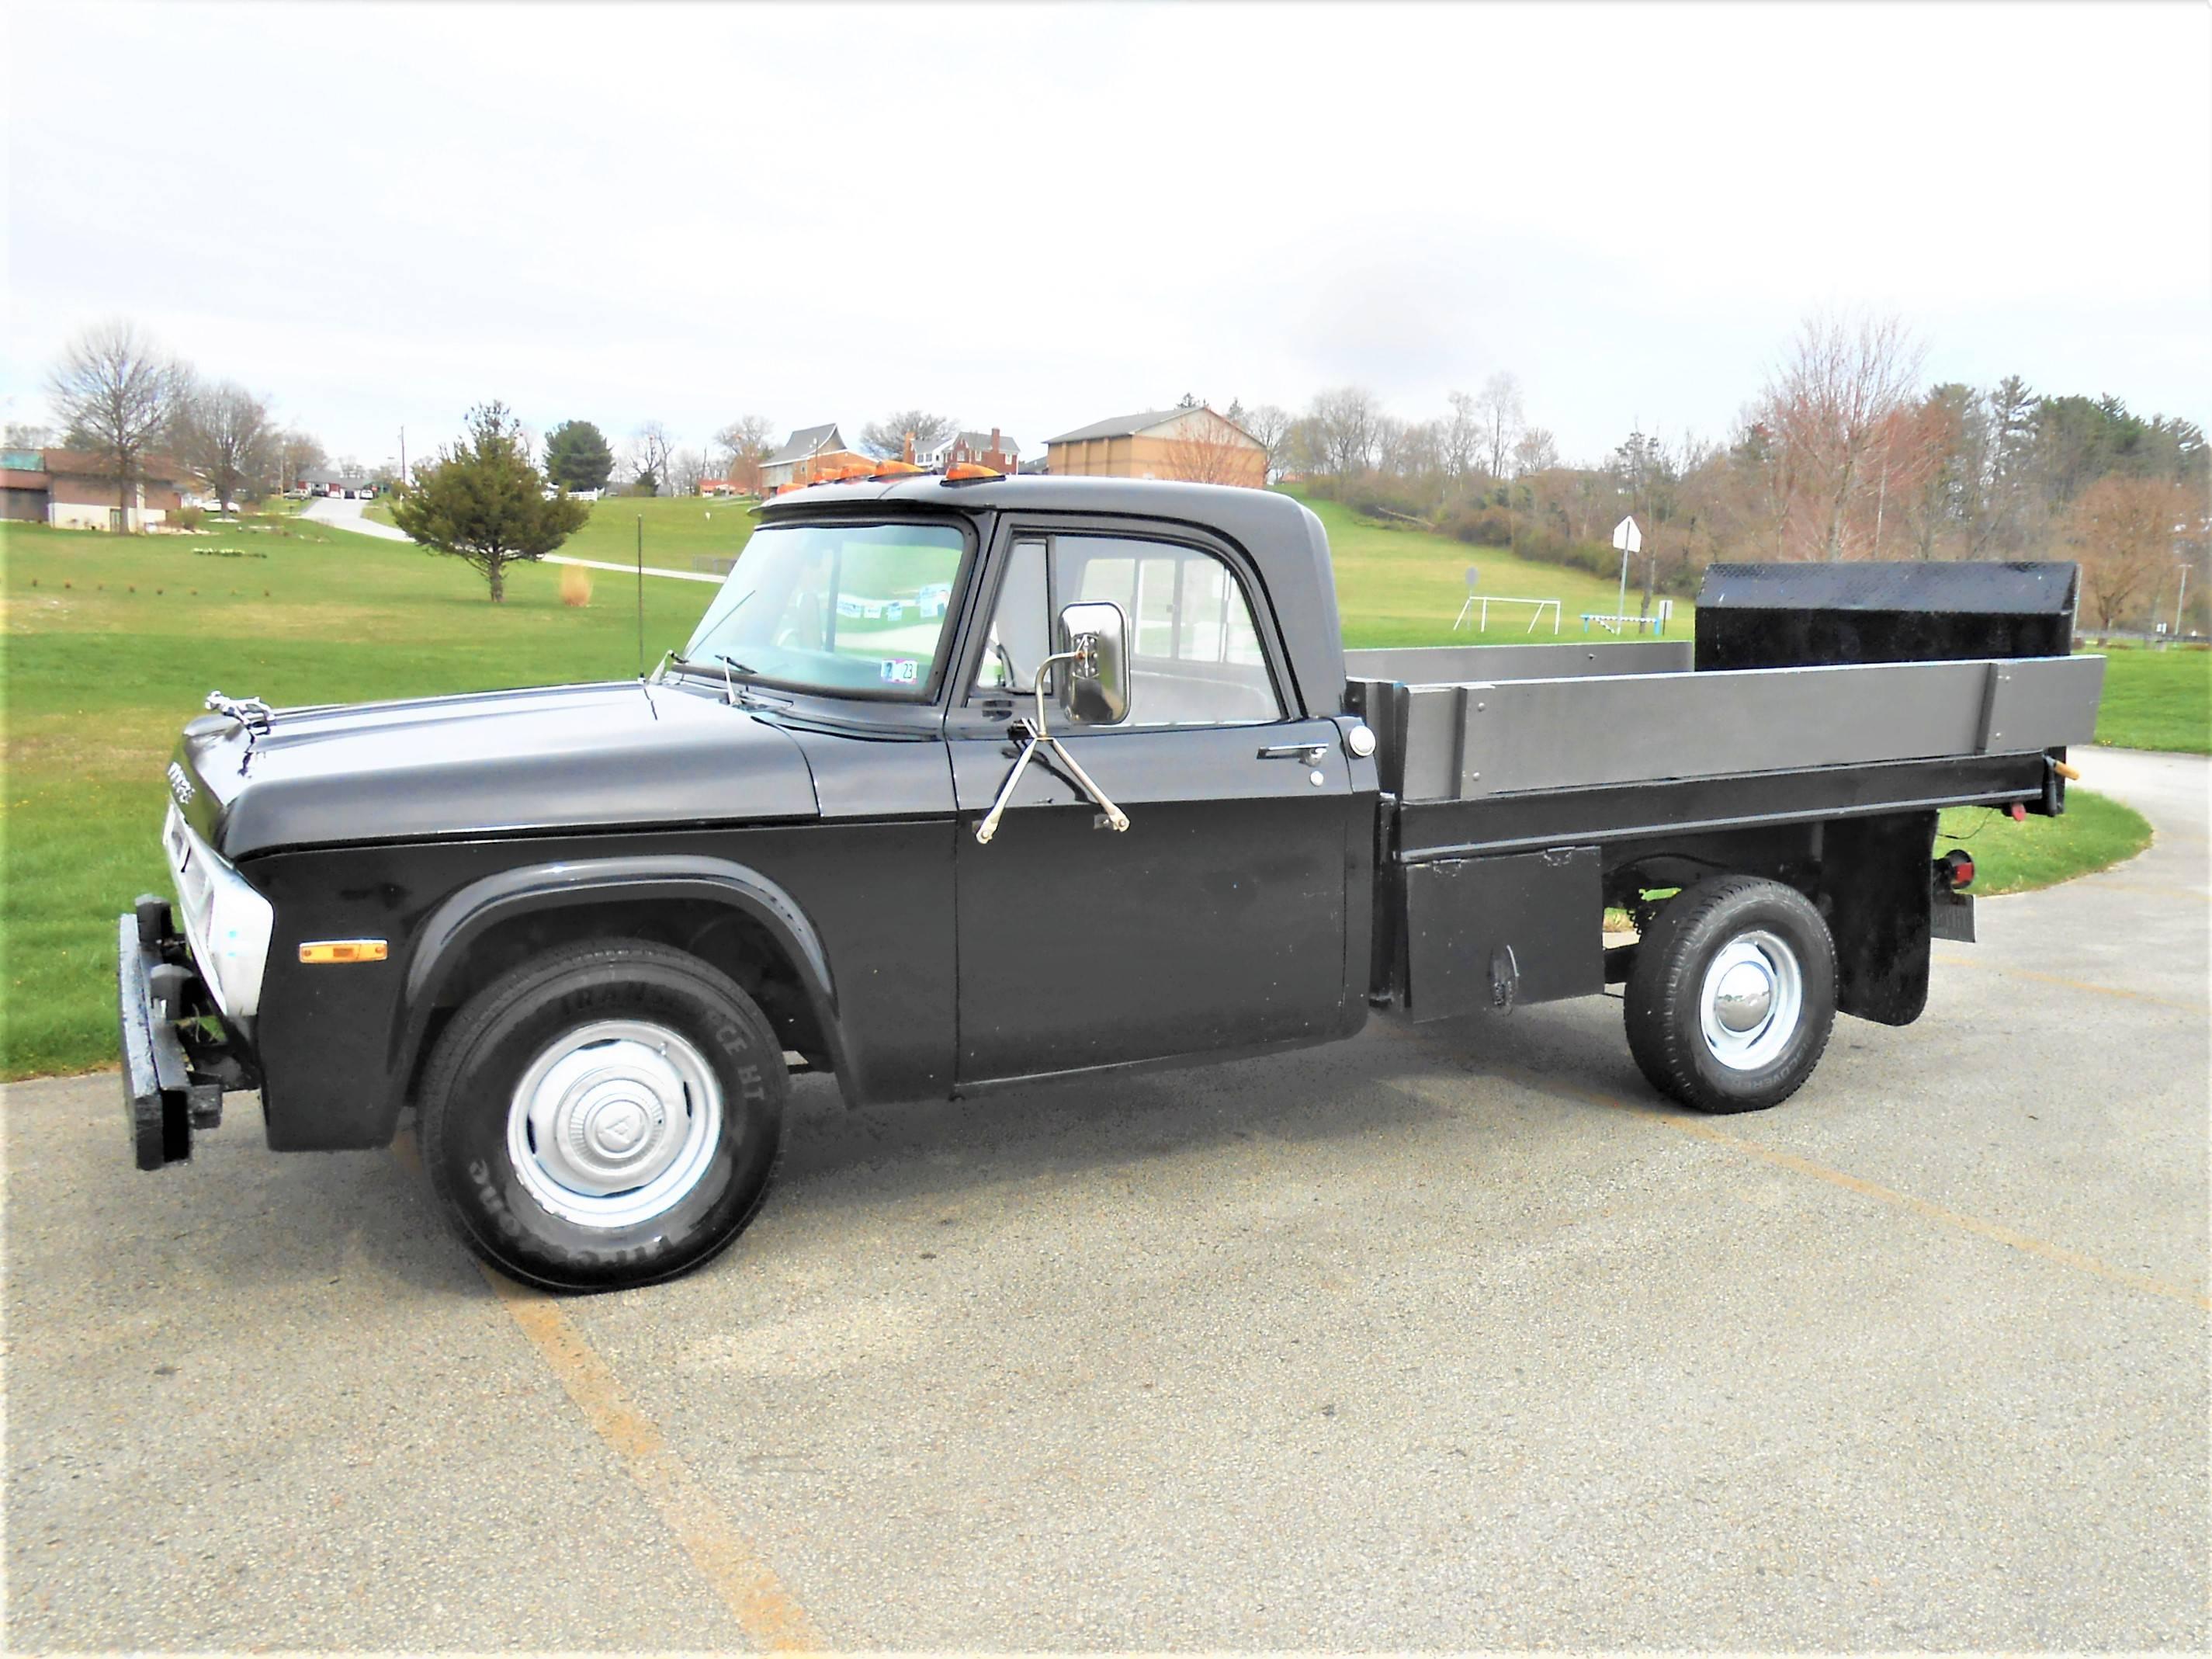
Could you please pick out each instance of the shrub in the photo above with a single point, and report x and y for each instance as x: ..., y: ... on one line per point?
x: 189, y: 518
x: 1482, y: 526
x: 575, y: 586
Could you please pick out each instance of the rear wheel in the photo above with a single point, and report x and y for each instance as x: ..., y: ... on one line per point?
x: 1732, y: 995
x: 607, y: 1115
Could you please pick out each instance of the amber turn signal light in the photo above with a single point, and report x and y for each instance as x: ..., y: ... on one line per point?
x: 322, y: 952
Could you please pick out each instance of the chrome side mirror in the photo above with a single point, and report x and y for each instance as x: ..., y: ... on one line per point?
x: 1095, y: 688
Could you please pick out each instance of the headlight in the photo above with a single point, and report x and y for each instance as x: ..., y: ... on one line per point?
x: 227, y: 922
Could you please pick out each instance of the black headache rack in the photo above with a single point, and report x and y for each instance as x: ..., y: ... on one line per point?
x: 1817, y: 701
x: 178, y: 1062
x: 1786, y: 615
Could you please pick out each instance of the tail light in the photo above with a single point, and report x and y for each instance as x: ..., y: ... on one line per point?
x: 1955, y: 870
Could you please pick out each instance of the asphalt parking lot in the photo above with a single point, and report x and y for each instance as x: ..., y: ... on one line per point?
x: 1454, y: 1339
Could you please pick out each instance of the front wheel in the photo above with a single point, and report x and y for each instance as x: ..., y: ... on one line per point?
x: 607, y: 1115
x: 1732, y: 995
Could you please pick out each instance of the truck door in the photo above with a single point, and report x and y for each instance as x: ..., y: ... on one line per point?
x: 1217, y: 920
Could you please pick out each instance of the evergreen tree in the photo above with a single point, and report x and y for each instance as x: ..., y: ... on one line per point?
x: 577, y: 456
x: 482, y: 502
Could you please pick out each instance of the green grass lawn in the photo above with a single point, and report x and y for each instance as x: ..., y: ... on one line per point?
x: 2157, y: 699
x: 1399, y: 585
x: 679, y: 530
x: 110, y: 643
x: 2096, y: 833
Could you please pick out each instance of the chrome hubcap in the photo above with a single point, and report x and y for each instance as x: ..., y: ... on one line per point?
x: 1752, y: 1001
x: 614, y: 1122
x: 1744, y: 995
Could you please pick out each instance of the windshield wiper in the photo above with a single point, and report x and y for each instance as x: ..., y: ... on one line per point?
x: 729, y: 685
x: 732, y: 692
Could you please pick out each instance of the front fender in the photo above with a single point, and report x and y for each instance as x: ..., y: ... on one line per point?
x: 442, y: 943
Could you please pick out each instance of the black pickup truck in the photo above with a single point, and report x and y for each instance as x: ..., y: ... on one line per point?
x: 960, y: 785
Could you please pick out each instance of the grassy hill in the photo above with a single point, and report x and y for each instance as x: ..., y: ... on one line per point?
x: 1399, y: 585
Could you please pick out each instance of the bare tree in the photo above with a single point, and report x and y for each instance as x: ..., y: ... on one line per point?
x: 223, y: 434
x: 1347, y: 420
x: 22, y: 435
x: 686, y: 467
x: 1462, y: 436
x: 650, y: 451
x: 888, y: 436
x: 1269, y: 427
x: 1498, y: 419
x: 1207, y: 448
x: 2127, y: 531
x: 116, y: 392
x: 294, y: 452
x: 744, y: 444
x: 1828, y: 408
x: 1535, y: 451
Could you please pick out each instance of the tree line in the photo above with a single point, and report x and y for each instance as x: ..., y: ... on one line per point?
x: 116, y: 394
x: 1846, y: 453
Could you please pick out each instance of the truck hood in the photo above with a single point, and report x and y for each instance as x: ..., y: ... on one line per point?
x: 503, y: 761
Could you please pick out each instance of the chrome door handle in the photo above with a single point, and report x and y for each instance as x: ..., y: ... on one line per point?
x: 1309, y: 753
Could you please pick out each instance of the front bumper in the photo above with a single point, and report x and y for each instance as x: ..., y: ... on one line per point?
x: 178, y: 1058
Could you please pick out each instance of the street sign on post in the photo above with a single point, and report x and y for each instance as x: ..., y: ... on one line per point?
x: 1470, y: 603
x: 1630, y: 540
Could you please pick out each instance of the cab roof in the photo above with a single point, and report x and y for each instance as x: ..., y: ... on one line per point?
x: 1285, y: 541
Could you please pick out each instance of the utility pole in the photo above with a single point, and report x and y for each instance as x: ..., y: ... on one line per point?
x: 2177, y: 599
x: 403, y: 457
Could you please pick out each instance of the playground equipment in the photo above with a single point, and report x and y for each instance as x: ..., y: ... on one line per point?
x: 1617, y: 624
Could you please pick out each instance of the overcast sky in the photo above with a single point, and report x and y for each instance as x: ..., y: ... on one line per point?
x: 1037, y: 216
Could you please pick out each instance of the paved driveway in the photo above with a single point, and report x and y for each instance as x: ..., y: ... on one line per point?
x: 342, y: 514
x: 1456, y: 1339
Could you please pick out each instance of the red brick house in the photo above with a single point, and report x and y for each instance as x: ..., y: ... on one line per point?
x: 72, y: 490
x: 992, y: 449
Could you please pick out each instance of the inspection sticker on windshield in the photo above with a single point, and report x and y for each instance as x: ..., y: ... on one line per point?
x: 900, y: 671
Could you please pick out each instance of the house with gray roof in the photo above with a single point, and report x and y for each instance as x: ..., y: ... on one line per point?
x: 806, y: 455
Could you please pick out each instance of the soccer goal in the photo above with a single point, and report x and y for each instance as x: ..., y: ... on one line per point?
x: 1477, y: 607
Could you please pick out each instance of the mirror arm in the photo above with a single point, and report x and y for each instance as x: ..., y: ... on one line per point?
x: 1041, y: 734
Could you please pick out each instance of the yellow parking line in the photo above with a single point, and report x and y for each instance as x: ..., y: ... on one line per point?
x: 733, y: 1563
x: 2072, y: 984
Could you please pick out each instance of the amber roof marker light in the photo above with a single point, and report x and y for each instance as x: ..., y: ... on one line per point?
x: 969, y: 472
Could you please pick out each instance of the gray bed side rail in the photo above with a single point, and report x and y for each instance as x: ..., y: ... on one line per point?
x: 1470, y: 741
x: 1441, y: 665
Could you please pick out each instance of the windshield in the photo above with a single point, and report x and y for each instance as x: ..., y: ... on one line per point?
x: 833, y: 607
